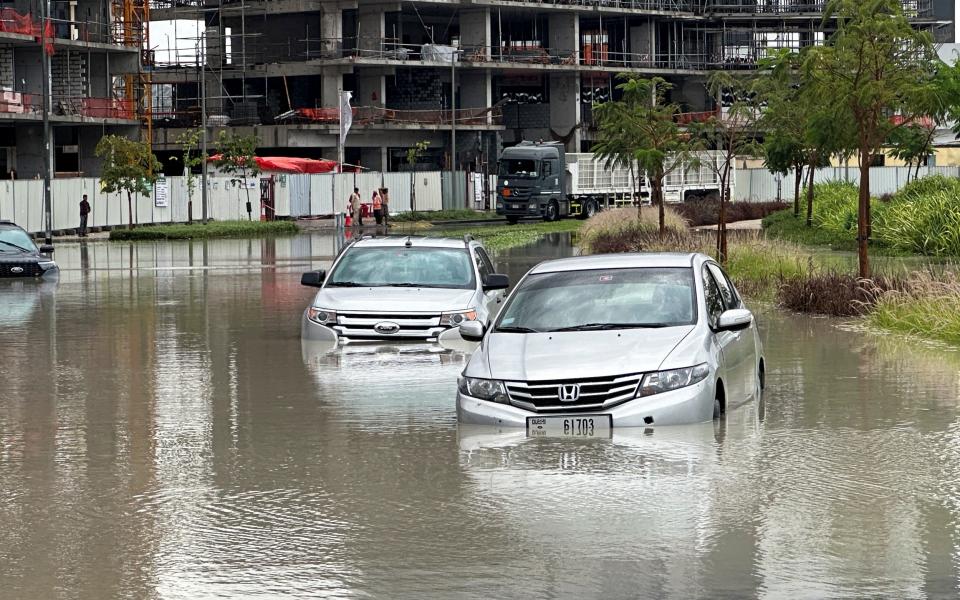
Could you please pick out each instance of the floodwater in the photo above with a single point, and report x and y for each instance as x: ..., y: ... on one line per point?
x: 163, y: 434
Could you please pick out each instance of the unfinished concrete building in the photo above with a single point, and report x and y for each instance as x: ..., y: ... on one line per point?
x: 486, y: 73
x: 97, y: 83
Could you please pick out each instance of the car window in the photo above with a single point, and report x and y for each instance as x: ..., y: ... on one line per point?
x: 406, y: 267
x: 713, y: 297
x: 641, y: 297
x: 12, y: 239
x: 730, y: 297
x: 484, y: 265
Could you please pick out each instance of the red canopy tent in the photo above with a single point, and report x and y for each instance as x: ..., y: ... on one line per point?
x: 291, y: 164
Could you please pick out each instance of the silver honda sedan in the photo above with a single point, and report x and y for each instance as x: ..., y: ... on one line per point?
x: 630, y: 340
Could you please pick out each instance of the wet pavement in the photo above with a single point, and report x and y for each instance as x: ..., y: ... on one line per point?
x: 165, y: 434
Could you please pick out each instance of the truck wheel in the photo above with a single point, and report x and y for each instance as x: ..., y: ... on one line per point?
x: 512, y: 219
x: 591, y: 208
x: 551, y: 212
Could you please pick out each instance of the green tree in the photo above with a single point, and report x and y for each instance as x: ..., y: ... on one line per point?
x: 874, y: 66
x: 912, y: 144
x: 189, y: 140
x: 414, y: 154
x: 236, y: 156
x: 128, y: 166
x: 728, y: 136
x: 641, y: 129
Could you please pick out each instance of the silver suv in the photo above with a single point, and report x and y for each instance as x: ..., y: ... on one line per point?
x: 631, y: 340
x: 403, y: 288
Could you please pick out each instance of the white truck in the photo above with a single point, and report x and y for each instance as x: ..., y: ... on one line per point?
x: 532, y: 183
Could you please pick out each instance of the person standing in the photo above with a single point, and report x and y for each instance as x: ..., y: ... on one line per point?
x: 355, y: 208
x: 385, y: 202
x: 84, y: 211
x: 377, y: 202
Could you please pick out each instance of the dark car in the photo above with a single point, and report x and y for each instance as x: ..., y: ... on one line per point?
x: 20, y: 257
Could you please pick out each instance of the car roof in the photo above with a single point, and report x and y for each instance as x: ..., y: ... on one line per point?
x: 620, y: 261
x: 4, y: 223
x: 415, y: 241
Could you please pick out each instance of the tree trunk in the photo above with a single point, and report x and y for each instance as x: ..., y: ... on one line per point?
x: 722, y: 217
x: 658, y: 196
x: 863, y: 220
x: 129, y: 211
x: 798, y: 180
x: 811, y: 170
x: 916, y: 175
x: 413, y: 191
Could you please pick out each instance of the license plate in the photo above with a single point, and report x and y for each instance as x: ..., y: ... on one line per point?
x: 581, y: 426
x: 514, y: 206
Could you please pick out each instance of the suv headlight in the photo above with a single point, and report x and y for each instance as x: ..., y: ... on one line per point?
x: 453, y: 319
x: 322, y: 316
x: 664, y: 381
x: 484, y: 389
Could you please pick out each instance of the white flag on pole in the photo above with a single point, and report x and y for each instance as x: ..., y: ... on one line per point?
x: 346, y: 115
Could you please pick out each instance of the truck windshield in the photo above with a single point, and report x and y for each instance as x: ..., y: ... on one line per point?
x: 518, y: 167
x: 404, y: 267
x: 602, y: 299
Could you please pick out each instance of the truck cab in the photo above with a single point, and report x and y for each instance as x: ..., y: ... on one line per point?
x: 531, y: 182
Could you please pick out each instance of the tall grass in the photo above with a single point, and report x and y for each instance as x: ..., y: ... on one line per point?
x: 927, y: 223
x: 619, y: 230
x: 928, y: 307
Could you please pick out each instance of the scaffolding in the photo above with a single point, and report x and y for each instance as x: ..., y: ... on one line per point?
x: 131, y: 19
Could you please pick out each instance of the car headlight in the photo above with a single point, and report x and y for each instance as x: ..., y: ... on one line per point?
x: 322, y: 316
x: 453, y: 319
x: 664, y: 381
x: 484, y: 389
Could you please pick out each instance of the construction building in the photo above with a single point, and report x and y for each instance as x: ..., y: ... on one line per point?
x: 97, y: 83
x: 486, y: 73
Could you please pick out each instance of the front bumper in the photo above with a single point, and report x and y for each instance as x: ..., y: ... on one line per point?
x: 525, y: 208
x: 315, y: 332
x: 692, y: 404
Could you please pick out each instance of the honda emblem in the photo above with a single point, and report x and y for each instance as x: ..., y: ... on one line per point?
x: 569, y: 392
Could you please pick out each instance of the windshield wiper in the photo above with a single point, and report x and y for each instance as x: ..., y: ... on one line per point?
x: 604, y: 326
x: 516, y: 330
x: 346, y: 284
x: 20, y: 248
x: 414, y: 285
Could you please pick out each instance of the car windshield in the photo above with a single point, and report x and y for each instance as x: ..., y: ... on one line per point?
x: 13, y: 240
x: 404, y: 267
x: 602, y: 299
x: 518, y: 168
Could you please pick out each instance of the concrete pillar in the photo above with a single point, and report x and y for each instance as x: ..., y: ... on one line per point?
x: 565, y: 108
x: 643, y: 42
x: 475, y: 89
x: 564, y: 35
x: 373, y: 158
x: 214, y: 54
x: 30, y: 151
x: 372, y: 29
x: 330, y: 86
x: 371, y: 89
x: 331, y: 30
x: 475, y: 34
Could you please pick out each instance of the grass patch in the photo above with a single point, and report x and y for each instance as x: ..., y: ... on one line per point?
x: 783, y: 225
x: 620, y: 230
x: 213, y: 229
x: 503, y: 237
x: 459, y: 214
x: 928, y: 307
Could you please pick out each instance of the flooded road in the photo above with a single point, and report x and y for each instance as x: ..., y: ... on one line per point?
x: 164, y: 434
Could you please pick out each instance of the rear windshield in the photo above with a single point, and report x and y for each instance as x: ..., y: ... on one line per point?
x: 14, y: 240
x: 404, y: 267
x: 647, y: 297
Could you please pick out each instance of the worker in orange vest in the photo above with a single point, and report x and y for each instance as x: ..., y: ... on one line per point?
x: 377, y: 201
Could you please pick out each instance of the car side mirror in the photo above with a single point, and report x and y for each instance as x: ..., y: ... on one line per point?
x: 472, y: 331
x: 495, y: 281
x: 313, y: 278
x: 46, y: 249
x: 734, y: 320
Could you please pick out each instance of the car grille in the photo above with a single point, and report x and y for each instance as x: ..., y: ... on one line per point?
x: 29, y: 269
x: 361, y: 326
x: 594, y: 393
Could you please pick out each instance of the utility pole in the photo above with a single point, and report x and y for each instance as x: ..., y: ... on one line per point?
x: 453, y: 126
x: 47, y: 133
x: 203, y: 120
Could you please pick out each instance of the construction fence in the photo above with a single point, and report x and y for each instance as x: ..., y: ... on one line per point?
x: 760, y: 185
x: 276, y: 195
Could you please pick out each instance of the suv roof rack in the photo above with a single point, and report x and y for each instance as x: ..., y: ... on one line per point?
x: 6, y: 222
x: 467, y: 238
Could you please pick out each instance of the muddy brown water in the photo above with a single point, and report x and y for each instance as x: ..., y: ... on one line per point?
x: 163, y: 434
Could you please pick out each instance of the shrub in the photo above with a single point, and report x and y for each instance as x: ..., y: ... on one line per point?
x: 457, y: 214
x: 214, y: 229
x: 928, y: 306
x: 926, y: 224
x: 934, y: 184
x: 619, y: 230
x: 707, y: 212
x: 835, y: 206
x: 835, y: 294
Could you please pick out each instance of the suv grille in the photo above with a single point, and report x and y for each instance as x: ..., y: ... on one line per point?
x: 410, y: 325
x: 30, y: 269
x: 592, y: 393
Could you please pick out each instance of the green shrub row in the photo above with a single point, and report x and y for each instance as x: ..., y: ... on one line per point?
x: 213, y: 229
x: 457, y: 214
